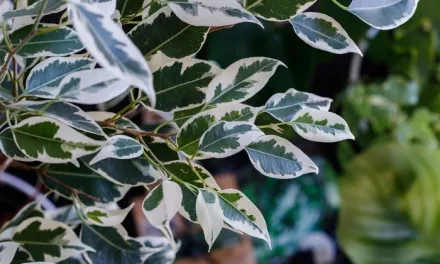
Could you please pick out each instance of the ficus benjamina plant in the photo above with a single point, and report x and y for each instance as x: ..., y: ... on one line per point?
x: 102, y: 49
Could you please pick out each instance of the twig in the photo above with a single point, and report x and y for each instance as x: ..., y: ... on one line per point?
x: 136, y: 133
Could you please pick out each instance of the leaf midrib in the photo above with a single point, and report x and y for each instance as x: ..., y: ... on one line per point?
x: 52, y: 140
x: 319, y: 33
x: 374, y: 7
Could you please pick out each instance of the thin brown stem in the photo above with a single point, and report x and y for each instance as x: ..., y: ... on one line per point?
x: 136, y: 133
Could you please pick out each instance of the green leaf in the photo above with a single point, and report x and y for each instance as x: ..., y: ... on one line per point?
x: 134, y: 172
x: 183, y: 171
x: 284, y: 106
x: 119, y: 147
x: 48, y: 240
x: 181, y: 84
x: 47, y: 75
x: 50, y: 141
x: 64, y: 112
x: 180, y: 117
x: 111, y: 244
x: 385, y: 14
x: 236, y: 112
x: 93, y: 188
x: 164, y: 32
x: 22, y: 256
x: 105, y: 217
x: 7, y: 251
x: 321, y: 126
x: 161, y: 149
x: 277, y: 10
x: 58, y: 42
x: 211, y: 13
x: 52, y: 6
x: 323, y: 32
x: 160, y: 206
x: 241, y: 80
x: 240, y: 213
x: 227, y: 138
x: 9, y: 148
x: 111, y: 47
x: 209, y: 214
x: 276, y: 157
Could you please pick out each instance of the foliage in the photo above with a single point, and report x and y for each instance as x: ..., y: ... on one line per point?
x: 145, y: 49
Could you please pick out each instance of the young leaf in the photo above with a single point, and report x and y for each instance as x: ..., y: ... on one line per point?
x: 52, y: 6
x: 47, y: 75
x: 113, y: 50
x: 105, y: 217
x: 240, y: 213
x: 384, y: 14
x: 284, y: 106
x: 323, y: 32
x: 166, y: 33
x: 48, y: 240
x: 183, y: 171
x: 227, y: 138
x: 241, y: 80
x: 119, y: 147
x: 112, y: 245
x: 321, y: 126
x: 93, y: 188
x: 211, y: 13
x: 134, y: 172
x: 276, y: 157
x: 64, y: 112
x: 58, y: 42
x: 9, y: 148
x: 209, y: 214
x: 277, y: 10
x: 160, y: 206
x: 181, y: 84
x: 47, y: 140
x: 7, y: 251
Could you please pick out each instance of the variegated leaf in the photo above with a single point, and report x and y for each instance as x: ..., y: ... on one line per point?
x: 189, y: 136
x: 112, y: 245
x: 48, y: 240
x: 323, y: 32
x: 232, y: 112
x: 321, y: 126
x: 7, y: 251
x: 276, y: 157
x: 22, y: 256
x: 107, y: 42
x: 277, y: 10
x: 5, y: 6
x: 119, y: 147
x: 89, y: 87
x: 106, y: 217
x: 93, y: 188
x: 162, y: 252
x: 240, y: 213
x: 58, y: 42
x: 384, y: 14
x: 241, y: 80
x: 211, y: 13
x: 30, y: 210
x: 161, y: 205
x: 47, y: 75
x: 133, y: 172
x: 209, y: 214
x: 227, y: 138
x: 164, y: 32
x: 284, y: 106
x: 9, y: 148
x: 47, y: 140
x: 181, y: 116
x: 52, y: 6
x: 181, y: 84
x: 66, y: 214
x: 183, y: 171
x: 64, y: 112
